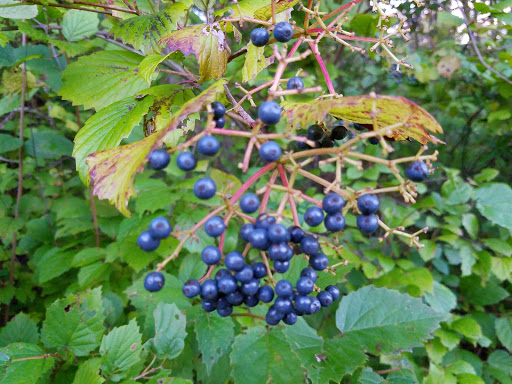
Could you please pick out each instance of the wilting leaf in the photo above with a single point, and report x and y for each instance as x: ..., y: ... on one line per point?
x: 404, y: 118
x: 280, y: 5
x: 255, y: 62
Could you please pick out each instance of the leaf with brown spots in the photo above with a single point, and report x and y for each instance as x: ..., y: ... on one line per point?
x: 404, y: 118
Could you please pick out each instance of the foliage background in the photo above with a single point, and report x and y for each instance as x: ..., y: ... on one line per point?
x: 63, y: 293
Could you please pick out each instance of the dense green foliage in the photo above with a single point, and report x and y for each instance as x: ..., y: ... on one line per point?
x: 71, y: 284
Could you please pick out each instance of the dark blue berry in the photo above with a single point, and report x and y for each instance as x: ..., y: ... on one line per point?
x: 278, y: 233
x: 235, y: 298
x: 333, y: 203
x: 259, y: 37
x: 227, y: 284
x: 319, y: 261
x: 301, y: 144
x: 295, y: 82
x: 208, y: 305
x: 273, y: 317
x: 251, y: 301
x: 211, y: 255
x: 251, y: 287
x: 358, y: 127
x: 367, y: 223
x: 339, y: 132
x: 234, y: 261
x: 258, y: 239
x: 368, y: 204
x: 186, y: 161
x: 245, y: 274
x: 209, y: 289
x: 225, y: 312
x: 309, y: 245
x: 249, y: 203
x: 154, y: 281
x: 334, y: 291
x: 221, y: 273
x: 159, y: 159
x: 208, y: 145
x: 258, y: 270
x: 270, y: 151
x: 290, y: 318
x: 191, y: 288
x: 305, y: 286
x: 280, y: 252
x: 302, y: 304
x: 315, y: 132
x: 326, y: 142
x: 309, y: 273
x: 334, y: 222
x: 159, y: 228
x: 373, y: 141
x: 283, y: 31
x: 265, y: 294
x: 284, y: 288
x: 222, y: 303
x: 265, y: 222
x: 281, y: 266
x: 215, y: 226
x: 283, y: 304
x: 417, y: 171
x: 296, y: 234
x: 315, y: 306
x: 313, y: 216
x: 325, y: 298
x: 219, y: 110
x: 220, y: 122
x: 269, y: 112
x: 146, y: 242
x: 246, y: 231
x: 205, y: 188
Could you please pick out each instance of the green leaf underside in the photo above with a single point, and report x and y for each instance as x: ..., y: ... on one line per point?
x: 98, y: 80
x: 412, y: 121
x: 214, y: 336
x: 383, y: 321
x: 79, y: 24
x: 17, y: 12
x: 112, y: 170
x: 170, y: 332
x: 495, y: 203
x: 26, y: 371
x: 255, y: 62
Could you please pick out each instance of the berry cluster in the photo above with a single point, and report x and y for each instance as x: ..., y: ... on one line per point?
x: 323, y: 139
x: 159, y: 229
x: 283, y: 32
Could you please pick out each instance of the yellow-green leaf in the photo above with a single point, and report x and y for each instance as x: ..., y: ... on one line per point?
x: 280, y: 6
x: 255, y: 62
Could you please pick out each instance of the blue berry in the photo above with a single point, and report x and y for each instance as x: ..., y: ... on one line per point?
x: 309, y: 245
x: 249, y: 203
x: 417, y: 171
x: 251, y: 287
x: 368, y: 204
x: 309, y: 273
x: 258, y: 270
x: 211, y: 255
x: 235, y: 298
x: 290, y: 318
x: 301, y: 144
x: 246, y: 230
x: 221, y: 273
x: 295, y: 82
x: 325, y: 298
x: 278, y: 233
x: 154, y: 281
x: 367, y: 223
x: 186, y: 161
x: 245, y: 274
x: 304, y: 286
x: 373, y: 141
x: 225, y: 312
x: 283, y: 31
x: 302, y: 304
x: 313, y: 216
x: 146, y: 242
x: 191, y: 288
x: 270, y: 151
x: 219, y: 110
x: 315, y: 132
x: 273, y: 316
x: 265, y: 222
x: 208, y: 145
x: 159, y: 159
x: 227, y: 284
x: 251, y: 301
x: 334, y: 291
x: 283, y: 304
x: 327, y: 142
x: 222, y: 303
x: 280, y: 252
x: 269, y: 112
x: 234, y: 261
x: 319, y: 261
x: 215, y: 226
x: 259, y: 239
x: 358, y: 127
x: 208, y: 305
x: 296, y: 234
x: 315, y: 306
x: 334, y: 222
x: 333, y: 203
x: 281, y: 266
x: 259, y: 37
x: 209, y: 289
x: 284, y: 288
x: 265, y: 294
x: 339, y: 132
x: 220, y: 122
x: 205, y: 188
x: 159, y: 228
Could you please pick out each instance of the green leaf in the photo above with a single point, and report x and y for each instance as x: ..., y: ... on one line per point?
x: 4, y: 39
x: 449, y: 19
x: 214, y: 337
x: 500, y: 363
x: 280, y: 6
x: 472, y: 289
x: 487, y: 174
x: 170, y: 332
x: 382, y: 321
x: 9, y: 143
x: 245, y: 8
x: 16, y: 10
x: 100, y: 79
x: 499, y: 246
x: 25, y: 371
x: 501, y: 267
x: 504, y: 331
x: 148, y: 66
x: 21, y: 329
x: 442, y: 299
x: 107, y: 128
x: 48, y: 145
x: 71, y: 49
x: 204, y: 5
x: 52, y: 264
x: 259, y: 356
x: 120, y: 349
x: 75, y: 323
x: 470, y: 223
x: 79, y: 24
x: 255, y: 62
x: 468, y: 327
x: 368, y: 376
x: 494, y: 202
x: 89, y: 372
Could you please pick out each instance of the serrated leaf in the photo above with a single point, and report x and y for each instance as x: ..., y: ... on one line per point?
x: 21, y: 329
x: 280, y: 6
x: 71, y: 49
x: 89, y: 372
x: 368, y: 376
x: 255, y: 62
x: 441, y: 299
x: 214, y: 337
x: 78, y: 24
x: 52, y: 264
x: 17, y: 10
x: 207, y: 42
x: 98, y: 80
x: 413, y: 120
x: 504, y: 331
x: 107, y: 128
x: 75, y: 323
x: 25, y: 371
x: 383, y: 321
x: 120, y: 349
x: 9, y: 143
x: 170, y: 332
x: 259, y: 356
x: 494, y: 202
x: 112, y: 170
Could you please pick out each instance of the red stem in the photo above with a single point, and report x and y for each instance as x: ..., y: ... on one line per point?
x: 290, y: 197
x: 323, y: 68
x: 250, y: 181
x: 345, y: 37
x: 294, y: 48
x: 266, y: 196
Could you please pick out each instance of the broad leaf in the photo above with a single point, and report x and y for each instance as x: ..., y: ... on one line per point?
x: 265, y: 13
x: 255, y: 62
x: 170, y: 332
x: 494, y: 202
x: 25, y: 371
x: 89, y: 372
x: 245, y: 8
x: 504, y: 331
x: 79, y: 24
x: 21, y: 329
x: 75, y: 323
x: 368, y: 376
x: 412, y: 121
x: 383, y: 321
x: 17, y: 10
x: 100, y: 79
x: 214, y: 337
